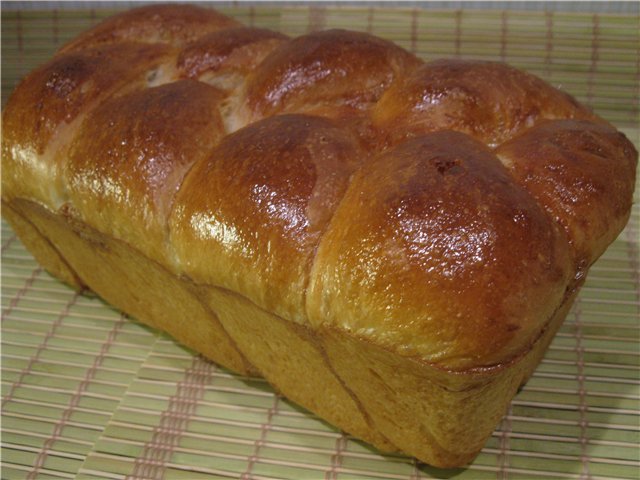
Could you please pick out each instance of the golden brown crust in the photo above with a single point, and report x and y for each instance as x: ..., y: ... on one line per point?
x: 412, y: 273
x: 41, y: 247
x: 237, y: 48
x: 338, y: 68
x: 441, y: 417
x: 487, y: 100
x: 249, y: 217
x: 41, y: 116
x: 132, y: 282
x: 567, y: 166
x: 67, y: 86
x: 174, y: 24
x: 289, y: 354
x: 130, y: 155
x: 412, y: 233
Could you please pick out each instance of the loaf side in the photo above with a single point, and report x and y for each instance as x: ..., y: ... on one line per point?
x: 391, y: 243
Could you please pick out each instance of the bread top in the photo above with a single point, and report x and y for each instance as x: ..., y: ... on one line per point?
x: 442, y: 210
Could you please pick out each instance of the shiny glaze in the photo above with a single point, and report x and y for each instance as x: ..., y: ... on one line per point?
x: 174, y: 24
x: 59, y: 95
x: 415, y: 265
x: 489, y: 101
x: 249, y: 217
x: 131, y: 153
x: 334, y: 67
x: 62, y: 89
x: 437, y: 251
x: 577, y: 183
x: 235, y: 48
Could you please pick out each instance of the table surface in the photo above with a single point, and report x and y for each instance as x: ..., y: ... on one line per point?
x: 90, y: 393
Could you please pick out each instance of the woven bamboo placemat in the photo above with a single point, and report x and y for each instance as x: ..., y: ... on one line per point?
x: 89, y: 393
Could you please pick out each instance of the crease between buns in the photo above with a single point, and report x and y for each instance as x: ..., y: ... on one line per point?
x: 328, y: 211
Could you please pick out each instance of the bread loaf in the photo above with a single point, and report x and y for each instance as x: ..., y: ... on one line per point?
x: 391, y: 243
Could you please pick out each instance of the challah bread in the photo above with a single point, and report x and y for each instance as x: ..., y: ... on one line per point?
x: 391, y: 243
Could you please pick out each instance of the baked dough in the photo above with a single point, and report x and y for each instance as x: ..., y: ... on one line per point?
x: 391, y: 243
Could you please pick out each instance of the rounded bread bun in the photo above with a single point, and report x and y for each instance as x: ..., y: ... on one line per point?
x: 442, y: 210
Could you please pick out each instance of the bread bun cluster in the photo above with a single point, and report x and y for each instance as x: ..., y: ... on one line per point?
x: 442, y: 212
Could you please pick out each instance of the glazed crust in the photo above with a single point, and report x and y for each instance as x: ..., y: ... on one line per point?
x: 250, y: 217
x: 486, y: 100
x: 413, y: 275
x: 432, y: 219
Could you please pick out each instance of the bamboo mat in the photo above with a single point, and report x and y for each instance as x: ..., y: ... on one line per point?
x: 88, y: 393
